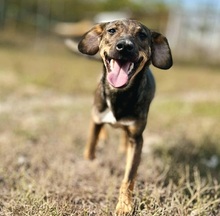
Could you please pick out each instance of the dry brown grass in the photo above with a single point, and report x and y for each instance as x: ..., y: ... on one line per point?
x: 45, y: 104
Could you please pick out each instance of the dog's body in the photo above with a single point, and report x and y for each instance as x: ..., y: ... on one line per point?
x: 126, y: 88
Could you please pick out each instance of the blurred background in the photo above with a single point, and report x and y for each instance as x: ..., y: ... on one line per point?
x: 191, y: 26
x: 46, y: 94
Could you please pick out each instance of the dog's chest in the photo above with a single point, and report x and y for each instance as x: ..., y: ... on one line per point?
x: 107, y: 116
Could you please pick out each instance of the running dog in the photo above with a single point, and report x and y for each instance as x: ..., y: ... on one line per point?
x: 126, y: 89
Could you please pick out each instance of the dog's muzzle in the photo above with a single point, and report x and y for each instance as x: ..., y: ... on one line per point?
x: 121, y: 63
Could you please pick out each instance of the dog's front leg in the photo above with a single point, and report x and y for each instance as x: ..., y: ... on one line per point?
x: 94, y: 131
x: 125, y: 204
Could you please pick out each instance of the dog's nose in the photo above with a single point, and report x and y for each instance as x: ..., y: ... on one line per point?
x: 125, y: 46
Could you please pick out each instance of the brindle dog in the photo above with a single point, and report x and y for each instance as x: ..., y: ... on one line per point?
x: 126, y: 88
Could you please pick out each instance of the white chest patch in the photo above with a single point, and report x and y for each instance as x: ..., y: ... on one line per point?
x: 105, y: 117
x: 108, y: 117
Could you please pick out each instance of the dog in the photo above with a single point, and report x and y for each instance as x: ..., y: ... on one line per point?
x: 126, y: 89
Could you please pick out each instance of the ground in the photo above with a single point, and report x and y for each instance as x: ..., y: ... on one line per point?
x: 45, y: 103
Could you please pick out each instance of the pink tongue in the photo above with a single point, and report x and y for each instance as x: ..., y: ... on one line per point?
x: 118, y: 76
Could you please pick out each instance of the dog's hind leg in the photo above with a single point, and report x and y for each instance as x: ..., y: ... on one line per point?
x: 103, y: 135
x: 94, y: 131
x: 123, y: 145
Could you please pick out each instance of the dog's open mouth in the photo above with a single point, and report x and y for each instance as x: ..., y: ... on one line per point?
x: 119, y: 71
x: 118, y: 74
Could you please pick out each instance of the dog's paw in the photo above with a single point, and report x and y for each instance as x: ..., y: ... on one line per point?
x: 124, y: 208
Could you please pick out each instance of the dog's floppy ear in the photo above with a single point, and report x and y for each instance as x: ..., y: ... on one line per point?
x: 161, y: 53
x: 89, y: 43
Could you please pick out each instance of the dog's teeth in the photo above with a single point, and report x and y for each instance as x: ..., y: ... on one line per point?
x: 111, y: 64
x: 131, y: 68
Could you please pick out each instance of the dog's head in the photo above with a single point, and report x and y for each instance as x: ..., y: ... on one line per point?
x: 126, y: 47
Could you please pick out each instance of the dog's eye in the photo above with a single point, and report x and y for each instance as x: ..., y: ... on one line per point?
x: 111, y: 31
x: 142, y: 35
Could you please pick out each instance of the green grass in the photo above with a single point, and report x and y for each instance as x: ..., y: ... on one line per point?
x: 45, y: 103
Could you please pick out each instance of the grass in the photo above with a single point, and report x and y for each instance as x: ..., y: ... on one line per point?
x: 45, y: 102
